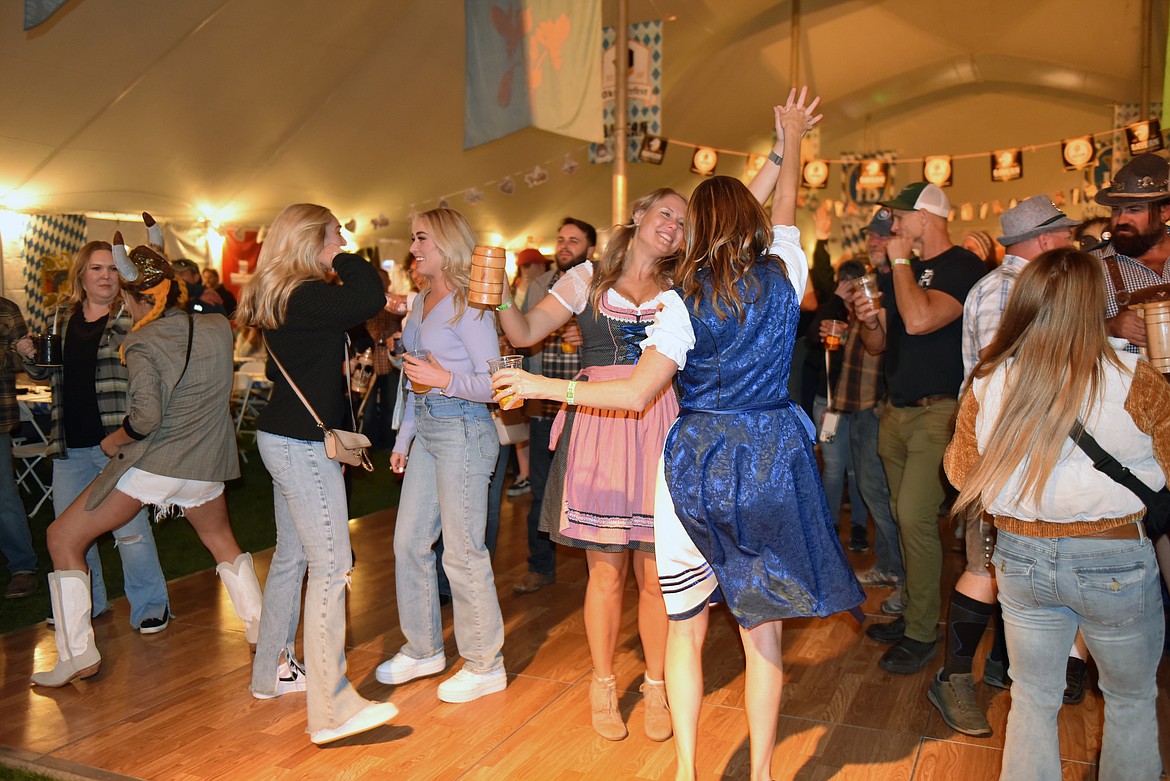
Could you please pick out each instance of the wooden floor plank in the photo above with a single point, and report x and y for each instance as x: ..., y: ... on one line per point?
x: 175, y: 705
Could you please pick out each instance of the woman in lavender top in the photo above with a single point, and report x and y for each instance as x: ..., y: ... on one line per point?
x: 447, y: 447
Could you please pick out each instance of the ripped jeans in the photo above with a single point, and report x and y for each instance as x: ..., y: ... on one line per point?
x: 312, y: 532
x: 146, y: 587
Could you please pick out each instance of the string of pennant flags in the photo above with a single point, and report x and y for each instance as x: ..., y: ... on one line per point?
x: 866, y: 177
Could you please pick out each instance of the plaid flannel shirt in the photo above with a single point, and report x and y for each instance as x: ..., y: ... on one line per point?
x: 12, y: 330
x: 861, y: 384
x: 111, y: 382
x: 555, y: 362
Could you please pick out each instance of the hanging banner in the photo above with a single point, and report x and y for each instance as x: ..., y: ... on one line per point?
x: 1124, y: 115
x: 532, y: 63
x: 752, y: 166
x: 1145, y: 136
x: 874, y: 175
x: 643, y: 89
x: 937, y: 170
x: 50, y: 242
x: 1007, y: 164
x: 815, y: 174
x: 1077, y: 152
x: 653, y: 149
x: 704, y: 160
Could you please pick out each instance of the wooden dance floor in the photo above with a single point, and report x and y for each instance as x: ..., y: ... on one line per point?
x: 176, y: 705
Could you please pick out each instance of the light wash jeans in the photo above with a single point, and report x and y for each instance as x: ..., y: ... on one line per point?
x: 312, y: 532
x: 15, y: 536
x: 1049, y: 588
x: 838, y: 462
x: 492, y: 534
x: 875, y: 490
x: 446, y: 489
x: 146, y: 586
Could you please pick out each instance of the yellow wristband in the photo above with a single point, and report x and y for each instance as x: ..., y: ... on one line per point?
x: 571, y: 393
x: 900, y: 261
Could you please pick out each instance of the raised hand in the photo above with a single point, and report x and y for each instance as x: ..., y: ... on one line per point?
x: 795, y: 116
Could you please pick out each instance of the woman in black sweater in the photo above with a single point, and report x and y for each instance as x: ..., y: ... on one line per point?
x: 304, y: 316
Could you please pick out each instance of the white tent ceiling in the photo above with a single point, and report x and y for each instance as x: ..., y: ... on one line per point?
x: 236, y: 108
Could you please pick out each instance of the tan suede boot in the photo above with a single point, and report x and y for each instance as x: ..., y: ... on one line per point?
x: 603, y: 702
x: 657, y: 717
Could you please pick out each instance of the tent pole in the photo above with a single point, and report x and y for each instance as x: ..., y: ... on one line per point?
x: 794, y: 45
x: 1146, y: 53
x: 621, y: 54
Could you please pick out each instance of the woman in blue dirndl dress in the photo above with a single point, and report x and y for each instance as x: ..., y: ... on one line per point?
x: 740, y: 514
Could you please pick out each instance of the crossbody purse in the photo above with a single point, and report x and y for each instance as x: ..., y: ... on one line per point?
x: 346, y: 447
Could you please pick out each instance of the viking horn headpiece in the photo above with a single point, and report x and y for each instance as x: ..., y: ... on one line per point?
x: 154, y: 234
x: 140, y: 268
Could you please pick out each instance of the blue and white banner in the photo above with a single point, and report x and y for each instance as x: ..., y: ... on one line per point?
x: 532, y: 63
x: 37, y: 12
x: 50, y: 242
x: 643, y: 89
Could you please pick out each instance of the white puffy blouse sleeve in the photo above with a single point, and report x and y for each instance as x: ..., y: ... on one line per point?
x: 572, y: 289
x: 786, y: 246
x: 671, y: 333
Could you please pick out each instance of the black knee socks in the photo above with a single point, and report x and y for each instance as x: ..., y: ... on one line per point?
x: 965, y: 624
x: 999, y: 646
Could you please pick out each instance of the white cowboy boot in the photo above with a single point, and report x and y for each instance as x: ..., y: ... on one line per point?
x: 77, y: 653
x: 239, y: 578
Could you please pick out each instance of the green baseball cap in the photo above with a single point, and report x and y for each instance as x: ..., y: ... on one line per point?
x: 922, y: 196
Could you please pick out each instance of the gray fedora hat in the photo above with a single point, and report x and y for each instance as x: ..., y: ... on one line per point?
x: 1030, y: 218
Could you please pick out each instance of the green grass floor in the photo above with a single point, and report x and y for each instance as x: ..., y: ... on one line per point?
x: 15, y: 774
x: 250, y: 505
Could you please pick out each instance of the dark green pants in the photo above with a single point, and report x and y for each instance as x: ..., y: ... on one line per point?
x: 911, y: 443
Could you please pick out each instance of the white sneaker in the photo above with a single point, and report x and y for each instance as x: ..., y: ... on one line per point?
x: 895, y: 605
x: 290, y: 678
x: 876, y: 577
x: 403, y: 668
x: 373, y: 715
x: 465, y: 686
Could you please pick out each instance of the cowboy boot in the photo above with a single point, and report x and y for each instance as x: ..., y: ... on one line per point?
x: 239, y: 578
x: 77, y: 653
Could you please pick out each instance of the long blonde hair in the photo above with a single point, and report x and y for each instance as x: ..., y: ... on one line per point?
x: 1052, y: 344
x: 288, y: 259
x: 74, y: 292
x: 452, y: 234
x: 609, y: 267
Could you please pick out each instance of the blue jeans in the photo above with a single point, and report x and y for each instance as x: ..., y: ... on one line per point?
x: 838, y: 462
x: 1109, y: 589
x: 312, y: 532
x: 492, y: 532
x: 875, y: 490
x: 15, y: 537
x: 542, y: 552
x: 146, y: 586
x: 446, y: 489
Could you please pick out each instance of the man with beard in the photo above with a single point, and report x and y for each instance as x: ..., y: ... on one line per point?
x: 558, y: 358
x: 1136, y: 258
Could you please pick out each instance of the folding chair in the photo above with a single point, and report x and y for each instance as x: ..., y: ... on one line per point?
x: 249, y: 395
x: 27, y: 455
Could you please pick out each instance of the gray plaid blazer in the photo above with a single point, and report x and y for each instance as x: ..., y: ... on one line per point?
x: 186, y: 431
